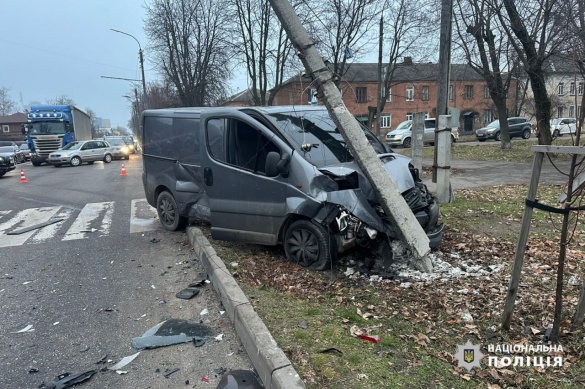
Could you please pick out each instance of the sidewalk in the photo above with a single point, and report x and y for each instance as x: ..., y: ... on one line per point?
x: 474, y: 174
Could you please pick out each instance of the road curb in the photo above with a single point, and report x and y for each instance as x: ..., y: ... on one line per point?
x: 272, y: 365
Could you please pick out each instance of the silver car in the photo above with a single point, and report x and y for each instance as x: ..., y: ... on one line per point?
x: 76, y: 153
x: 402, y: 135
x: 119, y: 148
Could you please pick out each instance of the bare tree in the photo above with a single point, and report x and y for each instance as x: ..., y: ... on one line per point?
x: 263, y: 46
x: 92, y: 120
x: 160, y: 94
x: 536, y: 32
x: 7, y: 105
x: 487, y: 51
x: 60, y: 100
x: 188, y: 39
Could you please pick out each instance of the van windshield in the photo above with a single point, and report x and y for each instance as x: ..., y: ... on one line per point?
x: 324, y: 144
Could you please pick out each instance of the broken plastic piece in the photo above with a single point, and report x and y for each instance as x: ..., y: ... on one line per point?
x: 370, y: 338
x: 219, y: 370
x: 331, y: 350
x: 219, y: 337
x: 124, y: 361
x: 199, y: 280
x: 28, y: 328
x: 172, y: 331
x: 204, y: 378
x: 169, y: 372
x: 198, y: 342
x: 102, y: 359
x: 36, y: 226
x: 204, y: 312
x: 188, y: 293
x: 121, y: 372
x: 67, y: 380
x: 239, y: 379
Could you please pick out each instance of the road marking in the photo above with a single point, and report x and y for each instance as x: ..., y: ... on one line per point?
x: 86, y: 221
x: 50, y: 231
x: 143, y: 217
x: 24, y: 218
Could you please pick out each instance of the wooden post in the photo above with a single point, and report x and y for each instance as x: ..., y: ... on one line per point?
x: 522, y: 239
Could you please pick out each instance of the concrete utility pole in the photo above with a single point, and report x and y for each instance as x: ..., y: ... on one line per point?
x: 416, y: 140
x: 390, y: 198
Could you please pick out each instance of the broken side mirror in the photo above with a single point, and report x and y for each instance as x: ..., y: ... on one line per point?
x: 277, y: 164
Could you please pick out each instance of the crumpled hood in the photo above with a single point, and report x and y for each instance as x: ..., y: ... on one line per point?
x: 396, y: 166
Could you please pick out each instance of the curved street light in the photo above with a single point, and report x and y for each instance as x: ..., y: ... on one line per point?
x: 141, y: 60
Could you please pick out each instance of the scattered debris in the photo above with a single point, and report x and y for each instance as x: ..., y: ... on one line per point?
x: 171, y: 332
x: 573, y: 281
x: 331, y: 350
x: 102, y: 359
x: 121, y: 372
x: 370, y: 338
x: 33, y: 370
x: 234, y: 264
x: 124, y: 361
x: 153, y: 287
x: 219, y: 337
x: 34, y: 227
x: 90, y: 230
x: 85, y: 349
x: 198, y: 342
x: 55, y: 323
x: 199, y: 280
x: 28, y: 328
x: 188, y: 293
x: 26, y: 282
x: 67, y: 380
x: 204, y: 312
x: 168, y: 372
x: 239, y: 379
x: 304, y: 325
x: 154, y: 240
x: 219, y: 370
x: 204, y: 378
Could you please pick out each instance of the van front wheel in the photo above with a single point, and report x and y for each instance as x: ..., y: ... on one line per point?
x: 309, y: 244
x: 168, y: 213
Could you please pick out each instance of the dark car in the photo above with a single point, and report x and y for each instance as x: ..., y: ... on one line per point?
x: 518, y: 128
x: 19, y: 155
x: 7, y: 159
x: 25, y: 151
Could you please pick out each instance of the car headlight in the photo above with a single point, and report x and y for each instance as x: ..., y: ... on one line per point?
x: 124, y: 149
x: 1, y: 159
x: 490, y: 130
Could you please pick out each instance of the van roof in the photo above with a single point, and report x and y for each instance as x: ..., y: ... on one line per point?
x: 267, y: 110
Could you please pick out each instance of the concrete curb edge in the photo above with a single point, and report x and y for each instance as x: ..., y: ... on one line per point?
x: 272, y: 365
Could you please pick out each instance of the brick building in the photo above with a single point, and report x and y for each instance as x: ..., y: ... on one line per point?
x: 11, y: 127
x: 414, y: 89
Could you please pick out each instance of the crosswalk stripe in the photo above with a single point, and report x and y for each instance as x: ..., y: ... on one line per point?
x: 143, y: 217
x: 83, y: 223
x: 24, y: 218
x: 50, y: 231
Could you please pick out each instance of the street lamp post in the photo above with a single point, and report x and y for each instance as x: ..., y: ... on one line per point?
x: 141, y: 60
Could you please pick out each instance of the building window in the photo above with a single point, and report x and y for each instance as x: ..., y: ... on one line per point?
x: 572, y: 89
x: 361, y: 94
x: 383, y: 94
x: 560, y: 111
x: 425, y: 93
x: 581, y: 88
x: 409, y: 116
x: 488, y: 116
x: 561, y: 89
x: 468, y: 92
x: 409, y: 93
x: 486, y: 92
x: 386, y: 121
x: 451, y: 92
x: 571, y: 111
x: 5, y: 128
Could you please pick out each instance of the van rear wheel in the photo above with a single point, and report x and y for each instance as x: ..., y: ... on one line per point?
x: 168, y: 212
x: 309, y: 245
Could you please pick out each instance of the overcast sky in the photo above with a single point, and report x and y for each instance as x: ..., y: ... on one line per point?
x: 51, y: 48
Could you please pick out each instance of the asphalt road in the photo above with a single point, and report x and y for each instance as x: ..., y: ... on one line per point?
x: 90, y: 283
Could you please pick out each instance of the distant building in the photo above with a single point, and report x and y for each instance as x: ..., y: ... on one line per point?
x: 240, y: 99
x: 11, y: 127
x: 414, y: 89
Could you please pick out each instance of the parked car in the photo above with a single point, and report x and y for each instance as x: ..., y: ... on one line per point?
x: 402, y: 135
x: 25, y: 150
x: 7, y: 159
x: 274, y: 175
x: 19, y: 154
x: 76, y: 153
x: 517, y: 126
x: 119, y: 148
x: 563, y: 126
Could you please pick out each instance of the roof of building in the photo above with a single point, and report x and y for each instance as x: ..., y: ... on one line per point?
x: 244, y: 96
x: 404, y: 72
x: 15, y: 118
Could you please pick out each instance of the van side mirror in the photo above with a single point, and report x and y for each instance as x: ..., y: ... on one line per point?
x: 277, y: 164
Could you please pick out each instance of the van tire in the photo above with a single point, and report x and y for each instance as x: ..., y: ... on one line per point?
x: 168, y: 212
x: 309, y: 245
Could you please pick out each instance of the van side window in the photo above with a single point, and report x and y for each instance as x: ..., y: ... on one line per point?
x: 158, y: 136
x: 186, y: 131
x: 215, y: 138
x: 248, y: 147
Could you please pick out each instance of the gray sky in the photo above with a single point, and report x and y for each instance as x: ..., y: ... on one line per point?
x: 51, y: 48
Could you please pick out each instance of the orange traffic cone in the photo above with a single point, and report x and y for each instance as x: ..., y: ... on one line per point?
x: 123, y: 172
x: 23, y: 179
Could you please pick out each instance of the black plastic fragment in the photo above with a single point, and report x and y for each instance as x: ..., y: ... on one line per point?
x: 168, y: 373
x: 239, y: 379
x: 102, y: 359
x: 188, y: 293
x: 67, y: 380
x: 219, y: 370
x: 198, y: 342
x: 331, y: 350
x: 171, y: 332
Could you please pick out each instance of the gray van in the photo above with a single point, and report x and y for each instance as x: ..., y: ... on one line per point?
x: 274, y: 175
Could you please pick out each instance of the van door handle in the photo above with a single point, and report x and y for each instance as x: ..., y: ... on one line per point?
x: 208, y: 176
